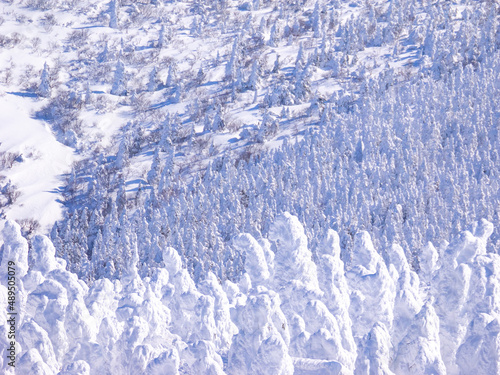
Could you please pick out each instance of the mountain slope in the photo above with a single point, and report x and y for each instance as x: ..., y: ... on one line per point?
x: 252, y: 186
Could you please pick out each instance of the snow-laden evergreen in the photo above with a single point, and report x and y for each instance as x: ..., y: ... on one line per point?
x: 44, y: 88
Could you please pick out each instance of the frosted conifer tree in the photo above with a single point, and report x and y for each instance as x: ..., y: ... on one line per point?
x: 122, y: 157
x: 419, y: 351
x: 88, y: 94
x: 237, y: 84
x: 195, y: 27
x: 200, y: 76
x: 154, y: 172
x: 171, y: 77
x: 113, y: 14
x: 303, y: 84
x: 166, y: 133
x: 276, y: 67
x: 231, y: 64
x: 299, y: 61
x: 272, y: 37
x: 253, y: 80
x: 374, y: 358
x: 316, y: 21
x: 161, y: 37
x: 370, y: 301
x: 218, y: 121
x: 428, y: 262
x: 178, y: 92
x: 104, y: 55
x: 358, y: 155
x: 153, y: 80
x: 119, y: 82
x: 98, y: 256
x: 44, y: 89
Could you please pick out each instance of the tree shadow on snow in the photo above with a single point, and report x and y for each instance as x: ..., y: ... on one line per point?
x: 23, y: 94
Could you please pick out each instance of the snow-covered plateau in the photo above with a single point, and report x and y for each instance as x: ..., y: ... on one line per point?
x: 249, y: 187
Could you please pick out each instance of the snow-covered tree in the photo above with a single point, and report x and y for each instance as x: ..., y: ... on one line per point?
x: 254, y: 78
x: 172, y: 76
x: 161, y: 37
x: 113, y: 14
x: 233, y: 61
x: 154, y: 172
x: 44, y: 89
x: 153, y: 80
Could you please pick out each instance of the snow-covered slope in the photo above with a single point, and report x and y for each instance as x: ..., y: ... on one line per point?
x: 256, y: 187
x: 39, y: 162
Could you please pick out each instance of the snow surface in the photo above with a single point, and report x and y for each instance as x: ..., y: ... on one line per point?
x: 44, y: 160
